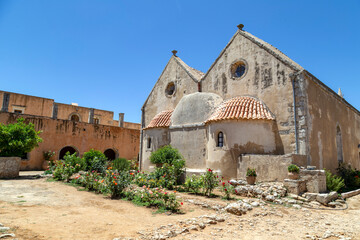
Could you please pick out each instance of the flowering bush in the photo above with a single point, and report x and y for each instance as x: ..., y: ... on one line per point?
x: 155, y: 197
x: 63, y: 171
x: 227, y: 189
x: 194, y: 184
x: 210, y: 181
x: 116, y: 182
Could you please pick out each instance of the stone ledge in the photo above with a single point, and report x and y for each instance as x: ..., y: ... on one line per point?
x: 351, y: 194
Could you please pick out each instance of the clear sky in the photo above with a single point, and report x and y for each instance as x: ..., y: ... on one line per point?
x: 109, y: 54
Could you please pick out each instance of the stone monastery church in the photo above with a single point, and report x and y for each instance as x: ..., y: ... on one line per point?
x: 254, y: 107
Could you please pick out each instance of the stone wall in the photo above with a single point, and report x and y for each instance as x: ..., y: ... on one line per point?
x: 268, y: 167
x: 326, y: 112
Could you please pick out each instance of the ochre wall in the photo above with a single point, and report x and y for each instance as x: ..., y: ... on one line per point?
x: 325, y: 113
x: 33, y: 105
x: 267, y: 78
x: 57, y: 134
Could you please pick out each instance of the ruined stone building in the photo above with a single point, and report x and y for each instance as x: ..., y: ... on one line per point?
x: 254, y: 107
x: 70, y: 128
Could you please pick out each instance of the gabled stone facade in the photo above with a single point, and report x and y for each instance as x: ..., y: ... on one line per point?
x: 309, y: 121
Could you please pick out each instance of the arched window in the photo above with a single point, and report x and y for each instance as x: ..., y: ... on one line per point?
x: 66, y: 149
x: 75, y: 118
x: 339, y: 147
x: 220, y: 139
x: 110, y: 154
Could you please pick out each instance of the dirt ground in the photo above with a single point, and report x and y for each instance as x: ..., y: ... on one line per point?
x: 42, y: 209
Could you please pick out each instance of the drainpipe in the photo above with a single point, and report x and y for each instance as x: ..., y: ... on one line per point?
x: 141, y: 136
x: 293, y: 76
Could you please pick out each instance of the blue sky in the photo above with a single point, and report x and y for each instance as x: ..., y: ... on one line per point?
x: 108, y: 54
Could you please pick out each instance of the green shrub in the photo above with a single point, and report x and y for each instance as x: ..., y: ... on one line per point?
x: 194, y: 184
x: 116, y: 182
x: 293, y: 168
x: 63, y: 171
x: 251, y: 172
x: 155, y: 197
x: 95, y: 161
x: 172, y: 166
x: 210, y: 182
x: 18, y: 138
x: 350, y: 175
x: 166, y: 154
x: 227, y: 189
x: 72, y: 159
x: 120, y: 164
x: 333, y: 182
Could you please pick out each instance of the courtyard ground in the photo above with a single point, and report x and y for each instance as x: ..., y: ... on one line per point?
x: 36, y: 208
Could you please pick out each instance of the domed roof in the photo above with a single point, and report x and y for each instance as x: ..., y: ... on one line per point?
x: 161, y: 119
x: 195, y: 108
x: 241, y: 108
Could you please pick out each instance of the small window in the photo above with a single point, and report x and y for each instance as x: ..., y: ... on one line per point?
x: 149, y: 143
x: 238, y: 69
x: 220, y: 139
x: 18, y: 111
x: 96, y: 120
x: 170, y: 89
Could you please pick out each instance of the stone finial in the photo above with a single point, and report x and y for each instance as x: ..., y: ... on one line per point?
x: 174, y: 52
x: 340, y: 93
x: 240, y: 27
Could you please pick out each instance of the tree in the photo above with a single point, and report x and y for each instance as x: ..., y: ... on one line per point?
x: 18, y: 138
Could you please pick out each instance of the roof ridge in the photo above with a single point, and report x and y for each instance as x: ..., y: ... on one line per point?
x: 194, y: 73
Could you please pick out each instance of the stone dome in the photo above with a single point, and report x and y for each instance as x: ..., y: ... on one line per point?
x: 195, y: 108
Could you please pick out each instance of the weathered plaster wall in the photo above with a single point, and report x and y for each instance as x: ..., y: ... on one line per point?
x: 130, y: 125
x: 326, y: 111
x: 57, y: 134
x: 191, y: 142
x: 268, y: 167
x: 159, y: 137
x: 31, y: 104
x: 240, y: 137
x: 158, y: 101
x: 266, y: 78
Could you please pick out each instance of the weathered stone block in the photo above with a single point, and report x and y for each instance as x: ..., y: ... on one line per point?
x: 9, y: 167
x: 295, y: 186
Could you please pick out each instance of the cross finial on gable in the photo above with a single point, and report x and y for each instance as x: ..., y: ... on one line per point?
x: 240, y: 27
x: 174, y: 52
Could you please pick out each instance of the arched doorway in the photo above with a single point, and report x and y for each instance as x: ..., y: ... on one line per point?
x: 110, y: 154
x: 66, y: 149
x: 339, y: 146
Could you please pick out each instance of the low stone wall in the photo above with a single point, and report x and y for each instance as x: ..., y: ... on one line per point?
x: 315, y: 180
x: 9, y: 167
x: 269, y: 167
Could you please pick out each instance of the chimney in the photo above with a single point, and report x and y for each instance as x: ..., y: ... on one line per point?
x: 121, y: 119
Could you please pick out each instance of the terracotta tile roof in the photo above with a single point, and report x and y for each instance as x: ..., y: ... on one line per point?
x: 161, y: 119
x: 241, y: 108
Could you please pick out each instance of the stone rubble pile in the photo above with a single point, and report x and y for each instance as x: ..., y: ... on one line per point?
x: 183, y: 227
x: 216, y: 207
x: 3, y: 231
x: 276, y: 192
x: 266, y: 191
